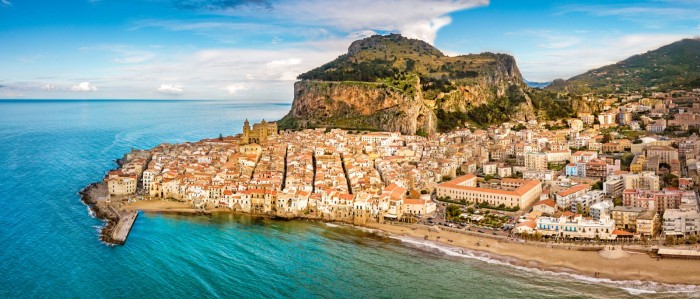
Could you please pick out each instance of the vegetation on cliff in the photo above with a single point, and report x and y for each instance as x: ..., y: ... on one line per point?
x: 416, y: 88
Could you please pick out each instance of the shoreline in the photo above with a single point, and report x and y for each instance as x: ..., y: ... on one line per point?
x: 87, y: 197
x: 618, y: 265
x: 632, y: 267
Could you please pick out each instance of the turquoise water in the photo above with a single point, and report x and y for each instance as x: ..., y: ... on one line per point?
x: 49, y: 246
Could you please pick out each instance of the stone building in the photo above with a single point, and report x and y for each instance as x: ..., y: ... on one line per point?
x: 259, y: 133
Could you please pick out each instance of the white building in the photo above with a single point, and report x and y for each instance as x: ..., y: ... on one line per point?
x: 577, y: 227
x: 679, y: 222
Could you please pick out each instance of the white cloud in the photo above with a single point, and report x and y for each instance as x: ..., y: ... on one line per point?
x: 315, y: 32
x: 234, y: 88
x: 593, y: 51
x: 172, y: 89
x: 413, y: 18
x: 425, y: 30
x: 48, y: 87
x: 362, y: 34
x: 284, y: 62
x: 83, y: 86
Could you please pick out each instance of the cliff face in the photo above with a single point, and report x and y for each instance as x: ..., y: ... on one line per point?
x: 392, y: 83
x: 359, y: 105
x: 495, y: 83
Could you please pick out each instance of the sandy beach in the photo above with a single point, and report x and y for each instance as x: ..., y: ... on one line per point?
x: 164, y: 206
x: 625, y: 265
x: 616, y: 265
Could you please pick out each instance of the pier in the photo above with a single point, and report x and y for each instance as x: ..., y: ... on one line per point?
x: 126, y: 221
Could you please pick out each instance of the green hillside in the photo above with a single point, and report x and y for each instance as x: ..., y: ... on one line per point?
x: 676, y: 65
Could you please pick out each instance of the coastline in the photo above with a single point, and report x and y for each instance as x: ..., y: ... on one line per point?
x: 633, y: 267
x: 88, y: 196
x: 625, y: 266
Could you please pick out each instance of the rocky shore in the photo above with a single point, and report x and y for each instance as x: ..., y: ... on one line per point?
x: 95, y: 196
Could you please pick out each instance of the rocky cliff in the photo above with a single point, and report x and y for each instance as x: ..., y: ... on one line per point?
x: 359, y: 105
x: 393, y: 83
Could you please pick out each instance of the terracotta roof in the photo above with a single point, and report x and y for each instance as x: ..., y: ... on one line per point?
x: 347, y: 196
x: 525, y: 185
x: 529, y: 223
x: 621, y: 233
x: 573, y: 190
x: 548, y: 202
x: 458, y: 180
x: 414, y: 201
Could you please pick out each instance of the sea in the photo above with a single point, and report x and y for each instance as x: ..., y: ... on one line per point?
x: 49, y: 245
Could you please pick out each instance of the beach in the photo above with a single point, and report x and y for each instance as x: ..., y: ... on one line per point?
x: 617, y: 265
x: 635, y: 266
x: 163, y: 206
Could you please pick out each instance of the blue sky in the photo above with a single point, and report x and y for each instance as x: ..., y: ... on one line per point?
x: 253, y: 50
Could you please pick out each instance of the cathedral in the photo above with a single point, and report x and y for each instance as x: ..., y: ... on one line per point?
x: 259, y: 133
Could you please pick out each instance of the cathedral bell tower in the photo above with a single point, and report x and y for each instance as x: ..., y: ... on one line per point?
x: 246, y: 131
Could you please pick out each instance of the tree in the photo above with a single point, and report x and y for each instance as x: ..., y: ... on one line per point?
x: 452, y: 211
x: 597, y: 186
x: 670, y: 240
x: 221, y: 137
x: 670, y: 180
x: 518, y: 127
x: 617, y: 201
x: 626, y: 161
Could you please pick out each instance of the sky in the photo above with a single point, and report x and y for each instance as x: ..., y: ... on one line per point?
x: 252, y: 50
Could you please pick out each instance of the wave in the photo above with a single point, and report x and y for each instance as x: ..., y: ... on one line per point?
x: 633, y: 287
x: 90, y: 211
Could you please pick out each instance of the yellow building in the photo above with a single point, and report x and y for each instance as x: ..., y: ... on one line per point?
x: 259, y: 133
x: 536, y: 161
x: 626, y: 217
x: 119, y: 183
x: 648, y: 223
x: 510, y: 192
x: 638, y: 163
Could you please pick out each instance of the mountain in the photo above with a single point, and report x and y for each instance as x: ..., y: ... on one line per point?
x: 676, y: 65
x: 537, y: 84
x: 392, y: 83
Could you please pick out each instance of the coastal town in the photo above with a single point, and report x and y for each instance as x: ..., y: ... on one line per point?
x: 628, y: 173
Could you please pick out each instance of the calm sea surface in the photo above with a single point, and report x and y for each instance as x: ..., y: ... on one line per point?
x: 49, y: 247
